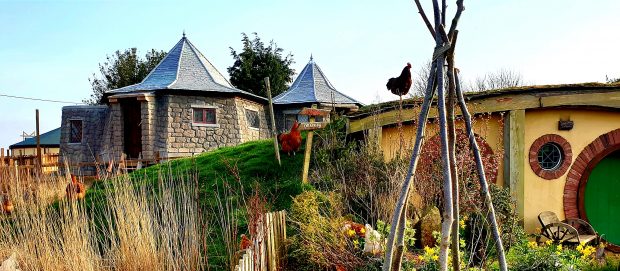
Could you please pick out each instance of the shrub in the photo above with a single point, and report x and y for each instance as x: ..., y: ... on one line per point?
x: 319, y: 242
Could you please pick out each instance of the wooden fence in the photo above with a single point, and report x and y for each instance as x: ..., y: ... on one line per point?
x: 268, y: 247
x: 29, y: 163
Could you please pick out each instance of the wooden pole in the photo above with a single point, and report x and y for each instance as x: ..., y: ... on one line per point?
x: 38, y: 166
x: 397, y: 230
x: 273, y: 121
x: 484, y: 186
x: 304, y: 177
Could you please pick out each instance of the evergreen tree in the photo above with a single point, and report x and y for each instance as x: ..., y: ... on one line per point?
x: 255, y: 62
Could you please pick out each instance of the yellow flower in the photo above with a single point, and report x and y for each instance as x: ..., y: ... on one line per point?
x: 532, y: 244
x: 435, y: 257
x: 356, y: 242
x: 548, y: 242
x: 558, y: 253
x: 559, y: 247
x: 462, y: 224
x: 350, y: 232
x: 362, y: 230
x: 420, y: 258
x: 428, y: 249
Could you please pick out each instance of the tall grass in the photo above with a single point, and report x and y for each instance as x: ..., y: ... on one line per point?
x: 129, y: 225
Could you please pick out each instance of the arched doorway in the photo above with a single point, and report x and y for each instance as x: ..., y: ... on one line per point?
x: 590, y: 192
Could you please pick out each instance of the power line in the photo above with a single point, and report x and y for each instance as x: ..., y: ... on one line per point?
x: 37, y: 99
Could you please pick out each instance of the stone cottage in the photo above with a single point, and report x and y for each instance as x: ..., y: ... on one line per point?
x: 185, y: 106
x: 310, y: 88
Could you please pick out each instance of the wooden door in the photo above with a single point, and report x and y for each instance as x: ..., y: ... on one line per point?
x: 132, y: 127
x: 602, y: 198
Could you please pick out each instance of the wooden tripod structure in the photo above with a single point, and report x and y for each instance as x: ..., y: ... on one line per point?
x: 442, y: 55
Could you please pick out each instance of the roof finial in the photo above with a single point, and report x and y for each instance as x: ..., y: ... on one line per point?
x: 311, y: 57
x: 184, y: 33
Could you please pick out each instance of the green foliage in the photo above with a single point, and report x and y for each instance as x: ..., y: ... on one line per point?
x: 384, y: 229
x: 357, y: 171
x: 257, y: 61
x: 529, y: 255
x: 319, y: 242
x: 122, y: 69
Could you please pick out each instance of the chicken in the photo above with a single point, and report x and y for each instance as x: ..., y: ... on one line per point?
x: 291, y: 141
x: 401, y: 85
x: 76, y: 189
x: 7, y: 205
x: 245, y: 242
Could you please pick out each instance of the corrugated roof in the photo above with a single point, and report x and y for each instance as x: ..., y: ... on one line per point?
x: 312, y: 86
x: 51, y: 138
x: 184, y: 68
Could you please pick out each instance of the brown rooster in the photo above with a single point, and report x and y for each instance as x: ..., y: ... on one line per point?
x: 75, y: 189
x: 291, y: 141
x: 401, y: 85
x: 245, y: 242
x: 7, y: 205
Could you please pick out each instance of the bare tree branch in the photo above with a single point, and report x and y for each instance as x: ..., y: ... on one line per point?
x: 424, y: 18
x: 457, y: 16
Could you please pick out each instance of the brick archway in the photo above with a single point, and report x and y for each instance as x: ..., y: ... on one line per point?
x: 579, y: 172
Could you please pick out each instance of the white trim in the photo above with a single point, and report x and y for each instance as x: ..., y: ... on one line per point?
x: 217, y: 125
x: 203, y: 106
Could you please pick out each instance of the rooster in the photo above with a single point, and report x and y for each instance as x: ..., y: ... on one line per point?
x: 76, y: 189
x: 291, y: 141
x: 401, y: 85
x: 245, y: 242
x: 7, y: 205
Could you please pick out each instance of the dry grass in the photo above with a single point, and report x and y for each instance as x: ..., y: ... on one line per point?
x: 127, y: 227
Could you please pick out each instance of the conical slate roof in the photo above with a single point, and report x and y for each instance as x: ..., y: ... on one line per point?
x: 312, y: 86
x: 184, y: 68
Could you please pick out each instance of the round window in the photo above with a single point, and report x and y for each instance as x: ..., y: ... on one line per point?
x: 550, y: 156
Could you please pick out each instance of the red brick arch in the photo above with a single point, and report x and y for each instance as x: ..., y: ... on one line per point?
x: 579, y: 172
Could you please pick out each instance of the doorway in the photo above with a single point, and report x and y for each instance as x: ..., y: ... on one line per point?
x: 132, y: 127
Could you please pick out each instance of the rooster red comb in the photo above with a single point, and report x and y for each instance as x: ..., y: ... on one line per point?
x: 408, y: 65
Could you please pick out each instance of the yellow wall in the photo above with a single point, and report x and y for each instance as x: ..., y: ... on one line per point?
x: 490, y: 127
x: 547, y: 195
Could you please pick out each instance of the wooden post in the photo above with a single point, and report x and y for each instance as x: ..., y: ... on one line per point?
x: 38, y: 144
x: 304, y: 177
x: 273, y: 121
x: 1, y: 157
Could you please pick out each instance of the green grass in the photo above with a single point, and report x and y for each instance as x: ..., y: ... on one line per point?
x: 240, y: 169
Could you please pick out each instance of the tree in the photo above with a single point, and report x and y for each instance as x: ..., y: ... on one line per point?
x: 255, y: 62
x: 503, y: 78
x: 122, y: 69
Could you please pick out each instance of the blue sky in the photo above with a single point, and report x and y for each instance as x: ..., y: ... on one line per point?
x: 49, y: 49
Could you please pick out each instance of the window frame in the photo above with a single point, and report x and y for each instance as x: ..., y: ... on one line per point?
x: 71, y: 125
x: 204, y: 110
x: 566, y: 156
x: 247, y: 118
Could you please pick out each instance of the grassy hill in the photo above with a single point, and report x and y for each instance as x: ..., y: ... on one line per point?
x: 232, y: 173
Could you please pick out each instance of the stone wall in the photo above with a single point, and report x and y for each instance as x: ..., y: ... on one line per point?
x: 93, y: 121
x: 250, y: 133
x: 185, y: 138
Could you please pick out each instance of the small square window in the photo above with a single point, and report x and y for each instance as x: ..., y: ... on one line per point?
x: 252, y: 118
x: 75, y: 127
x: 204, y: 115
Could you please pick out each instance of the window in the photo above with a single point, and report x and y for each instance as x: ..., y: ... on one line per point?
x: 204, y: 116
x: 252, y: 118
x: 289, y: 119
x: 75, y: 127
x: 550, y: 156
